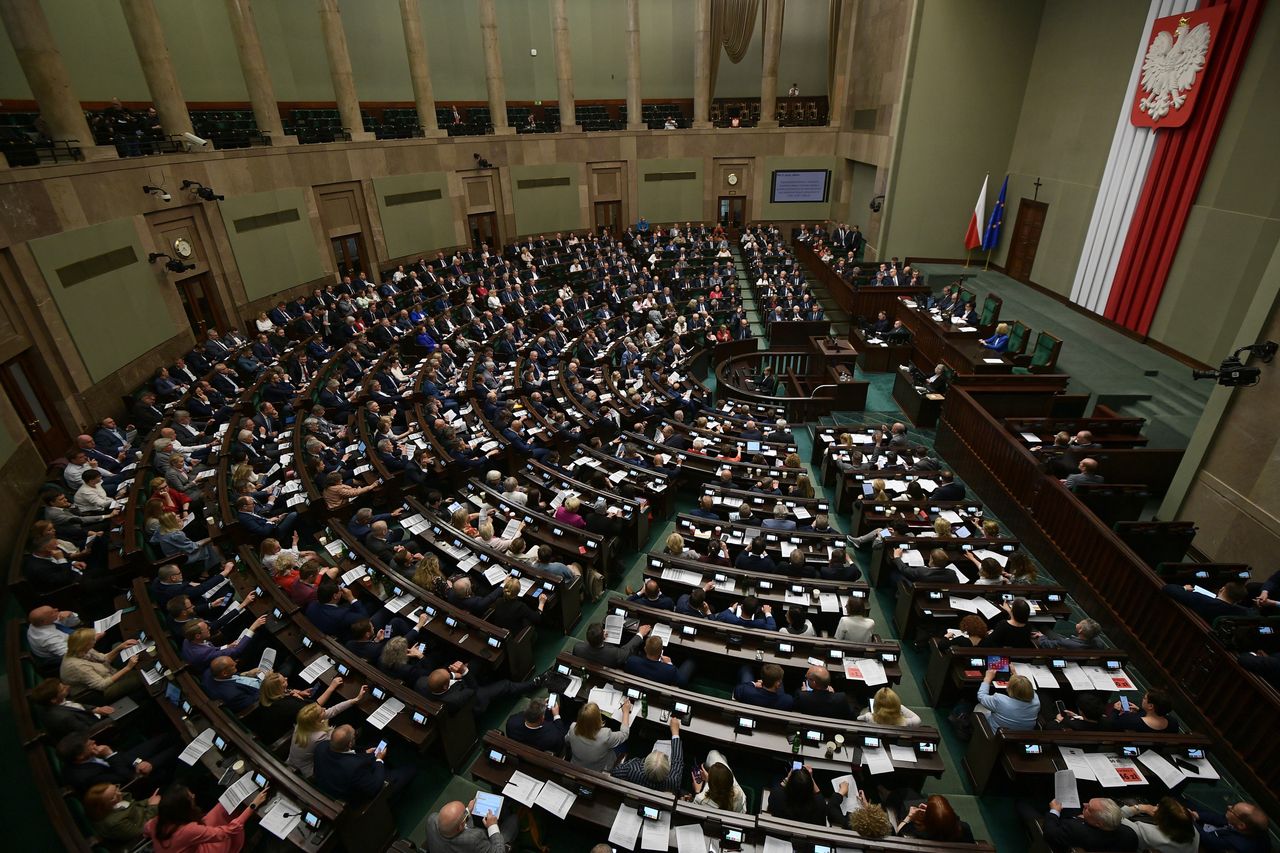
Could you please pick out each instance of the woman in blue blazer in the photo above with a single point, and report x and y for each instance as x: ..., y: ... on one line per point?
x: 1000, y: 340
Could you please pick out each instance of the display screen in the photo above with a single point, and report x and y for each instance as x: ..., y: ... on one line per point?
x: 800, y: 185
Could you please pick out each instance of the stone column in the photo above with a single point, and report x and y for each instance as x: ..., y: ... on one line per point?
x: 344, y: 83
x: 47, y: 76
x: 564, y: 66
x: 257, y: 76
x: 415, y: 45
x: 493, y: 68
x: 702, y: 64
x: 769, y: 70
x: 838, y: 97
x: 635, y: 108
x: 153, y: 55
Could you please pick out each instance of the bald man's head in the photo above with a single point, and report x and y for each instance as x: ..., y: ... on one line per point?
x: 223, y: 667
x: 453, y: 818
x: 343, y: 738
x: 42, y: 616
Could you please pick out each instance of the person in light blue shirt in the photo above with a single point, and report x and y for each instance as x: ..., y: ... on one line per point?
x: 1016, y: 712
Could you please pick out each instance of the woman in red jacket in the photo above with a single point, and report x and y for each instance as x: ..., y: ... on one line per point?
x: 180, y: 828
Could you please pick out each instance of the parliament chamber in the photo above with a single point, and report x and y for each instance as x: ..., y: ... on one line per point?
x: 559, y: 425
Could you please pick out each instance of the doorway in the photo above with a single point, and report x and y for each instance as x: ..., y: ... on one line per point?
x: 1026, y: 239
x: 732, y: 212
x: 609, y: 215
x: 347, y: 255
x: 28, y: 392
x: 483, y: 228
x: 202, y: 310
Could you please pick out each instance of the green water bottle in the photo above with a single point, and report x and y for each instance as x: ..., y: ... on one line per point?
x: 644, y: 705
x: 795, y: 744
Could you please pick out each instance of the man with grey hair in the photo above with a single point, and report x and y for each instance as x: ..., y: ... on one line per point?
x: 513, y: 493
x: 493, y: 478
x: 662, y: 769
x: 450, y: 830
x: 1097, y: 827
x: 1088, y: 635
x: 538, y: 726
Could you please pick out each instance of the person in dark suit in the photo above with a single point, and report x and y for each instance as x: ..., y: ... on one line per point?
x: 109, y: 437
x: 1086, y: 474
x: 754, y: 559
x: 263, y: 527
x: 652, y: 595
x: 539, y: 727
x: 948, y: 489
x: 1098, y: 826
x: 336, y: 609
x: 457, y: 689
x: 85, y: 762
x: 766, y: 691
x: 355, y: 777
x: 656, y: 666
x: 594, y: 649
x: 59, y: 715
x: 1228, y: 602
x: 934, y: 571
x: 1242, y: 828
x: 238, y: 692
x: 819, y: 699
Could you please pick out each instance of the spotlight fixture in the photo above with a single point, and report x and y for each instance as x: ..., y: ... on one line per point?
x: 157, y: 191
x: 172, y: 264
x: 202, y: 191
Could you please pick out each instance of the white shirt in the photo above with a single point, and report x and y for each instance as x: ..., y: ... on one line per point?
x: 48, y: 641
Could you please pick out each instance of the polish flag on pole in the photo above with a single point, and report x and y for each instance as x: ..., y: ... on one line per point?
x: 973, y: 237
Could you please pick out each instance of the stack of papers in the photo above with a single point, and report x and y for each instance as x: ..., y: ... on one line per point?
x: 240, y: 790
x: 866, y: 670
x: 281, y: 816
x: 877, y: 760
x: 556, y: 799
x: 1064, y: 789
x: 386, y: 713
x: 626, y: 828
x: 850, y: 802
x: 609, y: 700
x: 201, y: 744
x: 522, y: 788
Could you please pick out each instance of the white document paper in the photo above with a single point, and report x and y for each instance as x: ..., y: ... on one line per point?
x: 985, y: 607
x: 613, y: 625
x: 1104, y: 770
x: 656, y: 834
x: 240, y: 790
x: 316, y: 668
x: 575, y: 686
x: 993, y: 360
x: 199, y: 745
x: 386, y: 713
x: 522, y: 788
x: 609, y: 700
x: 662, y: 631
x: 556, y: 799
x: 1077, y: 762
x: 829, y: 602
x: 850, y: 801
x: 106, y: 623
x: 965, y: 605
x: 1079, y: 680
x: 1163, y: 769
x: 626, y: 827
x: 268, y: 660
x: 281, y: 816
x: 950, y: 516
x: 877, y: 760
x: 1064, y: 789
x: 913, y: 558
x: 689, y: 839
x: 902, y: 754
x: 777, y: 845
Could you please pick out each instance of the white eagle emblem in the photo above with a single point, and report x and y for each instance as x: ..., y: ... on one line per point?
x: 1170, y: 68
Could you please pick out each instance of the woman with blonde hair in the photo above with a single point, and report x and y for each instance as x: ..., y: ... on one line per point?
x: 513, y: 612
x: 942, y: 528
x: 484, y: 532
x: 461, y: 519
x: 591, y: 743
x: 278, y: 705
x: 675, y: 547
x: 869, y: 819
x: 202, y: 557
x: 89, y: 672
x: 991, y: 529
x: 878, y: 492
x: 887, y: 710
x: 567, y: 513
x: 311, y: 725
x: 1017, y: 710
x: 427, y: 573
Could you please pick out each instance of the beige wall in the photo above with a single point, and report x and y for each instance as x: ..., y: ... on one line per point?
x: 540, y: 209
x: 95, y: 44
x: 1065, y: 124
x: 971, y: 62
x: 274, y: 257
x: 414, y: 227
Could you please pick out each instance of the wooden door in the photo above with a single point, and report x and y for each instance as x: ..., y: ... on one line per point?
x: 609, y: 215
x: 732, y: 212
x: 26, y: 387
x: 1026, y: 239
x: 203, y: 312
x: 483, y: 228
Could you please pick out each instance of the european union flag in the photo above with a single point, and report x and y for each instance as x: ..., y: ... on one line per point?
x: 992, y: 237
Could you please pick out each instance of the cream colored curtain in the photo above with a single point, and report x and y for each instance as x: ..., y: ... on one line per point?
x: 732, y: 24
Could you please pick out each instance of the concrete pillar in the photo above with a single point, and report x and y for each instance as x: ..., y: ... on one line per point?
x: 493, y: 67
x: 635, y: 108
x: 702, y: 64
x: 257, y: 76
x: 344, y: 83
x: 564, y: 66
x: 424, y: 96
x: 838, y: 97
x: 157, y: 68
x: 47, y: 76
x: 769, y: 70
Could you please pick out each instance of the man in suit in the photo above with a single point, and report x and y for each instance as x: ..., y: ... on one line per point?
x: 818, y: 698
x: 781, y: 519
x: 1230, y: 600
x: 1088, y: 635
x: 110, y: 438
x: 262, y: 527
x: 456, y: 688
x: 1087, y: 474
x: 538, y: 726
x: 766, y: 691
x: 335, y: 610
x: 85, y: 762
x: 450, y: 830
x: 59, y: 715
x: 948, y: 489
x: 749, y: 613
x: 655, y: 666
x: 146, y: 414
x: 356, y: 777
x: 238, y: 691
x: 754, y: 558
x: 1242, y: 828
x: 1097, y: 827
x: 652, y: 595
x: 594, y: 649
x: 198, y: 651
